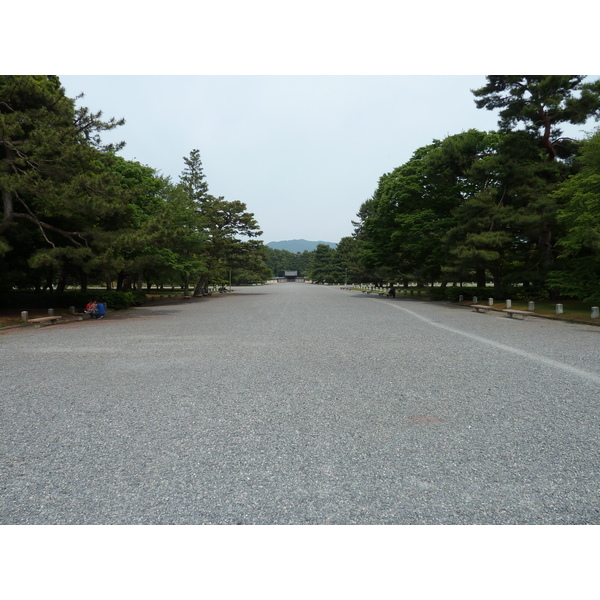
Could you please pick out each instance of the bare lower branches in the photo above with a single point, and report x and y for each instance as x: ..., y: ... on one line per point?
x: 70, y: 235
x: 10, y: 215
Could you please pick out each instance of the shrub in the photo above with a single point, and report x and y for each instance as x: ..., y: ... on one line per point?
x: 29, y: 300
x: 533, y: 293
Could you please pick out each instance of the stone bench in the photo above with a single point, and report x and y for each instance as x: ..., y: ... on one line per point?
x: 40, y: 320
x: 511, y: 313
x: 481, y: 307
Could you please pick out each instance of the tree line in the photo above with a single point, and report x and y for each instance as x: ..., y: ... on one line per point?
x: 516, y: 206
x: 322, y: 265
x: 75, y: 213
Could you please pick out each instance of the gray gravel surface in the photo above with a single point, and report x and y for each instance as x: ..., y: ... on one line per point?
x: 300, y: 404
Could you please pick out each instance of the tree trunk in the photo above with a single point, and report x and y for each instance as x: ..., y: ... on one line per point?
x: 201, y: 286
x: 125, y: 284
x: 62, y: 280
x: 7, y: 203
x: 497, y: 280
x: 198, y: 288
x: 547, y: 257
x: 84, y: 281
x: 480, y: 277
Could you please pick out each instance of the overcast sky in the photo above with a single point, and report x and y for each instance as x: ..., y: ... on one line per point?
x: 302, y: 152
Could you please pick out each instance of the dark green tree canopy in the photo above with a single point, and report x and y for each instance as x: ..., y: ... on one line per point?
x: 541, y: 104
x: 73, y: 210
x: 49, y: 155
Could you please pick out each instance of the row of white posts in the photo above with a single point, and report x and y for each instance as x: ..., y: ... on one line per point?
x: 531, y: 306
x: 25, y: 314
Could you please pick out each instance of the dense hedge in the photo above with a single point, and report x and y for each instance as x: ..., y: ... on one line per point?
x: 29, y: 300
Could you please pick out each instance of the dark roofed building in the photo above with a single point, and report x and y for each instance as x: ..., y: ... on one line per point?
x: 290, y: 276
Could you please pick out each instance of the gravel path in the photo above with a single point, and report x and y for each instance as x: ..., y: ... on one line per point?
x: 300, y: 404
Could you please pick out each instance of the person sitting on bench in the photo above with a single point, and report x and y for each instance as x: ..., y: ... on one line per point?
x: 100, y: 310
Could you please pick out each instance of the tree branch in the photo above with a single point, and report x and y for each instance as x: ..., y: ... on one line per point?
x: 10, y: 215
x: 546, y: 141
x: 70, y: 235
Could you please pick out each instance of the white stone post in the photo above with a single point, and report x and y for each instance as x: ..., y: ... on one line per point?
x: 559, y: 309
x: 50, y: 312
x: 508, y: 303
x: 474, y: 299
x: 24, y: 316
x: 490, y: 302
x: 460, y: 298
x: 595, y: 312
x: 531, y: 306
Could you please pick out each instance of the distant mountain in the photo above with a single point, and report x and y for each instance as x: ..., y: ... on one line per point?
x: 298, y: 245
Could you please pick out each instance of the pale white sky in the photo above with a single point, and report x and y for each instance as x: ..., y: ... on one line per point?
x: 303, y: 152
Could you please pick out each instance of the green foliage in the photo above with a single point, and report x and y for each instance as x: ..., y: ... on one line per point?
x: 508, y: 207
x: 324, y: 267
x: 452, y: 294
x: 517, y: 206
x: 228, y: 230
x: 73, y: 212
x: 579, y: 197
x: 280, y: 261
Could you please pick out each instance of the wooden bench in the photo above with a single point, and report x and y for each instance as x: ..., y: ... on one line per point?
x: 41, y: 320
x: 511, y: 312
x: 481, y: 307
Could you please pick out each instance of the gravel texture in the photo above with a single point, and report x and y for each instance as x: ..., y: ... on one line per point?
x: 300, y: 404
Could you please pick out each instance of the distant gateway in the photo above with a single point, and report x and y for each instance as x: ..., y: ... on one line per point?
x: 289, y: 276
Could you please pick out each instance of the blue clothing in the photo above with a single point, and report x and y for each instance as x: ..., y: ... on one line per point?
x: 100, y: 311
